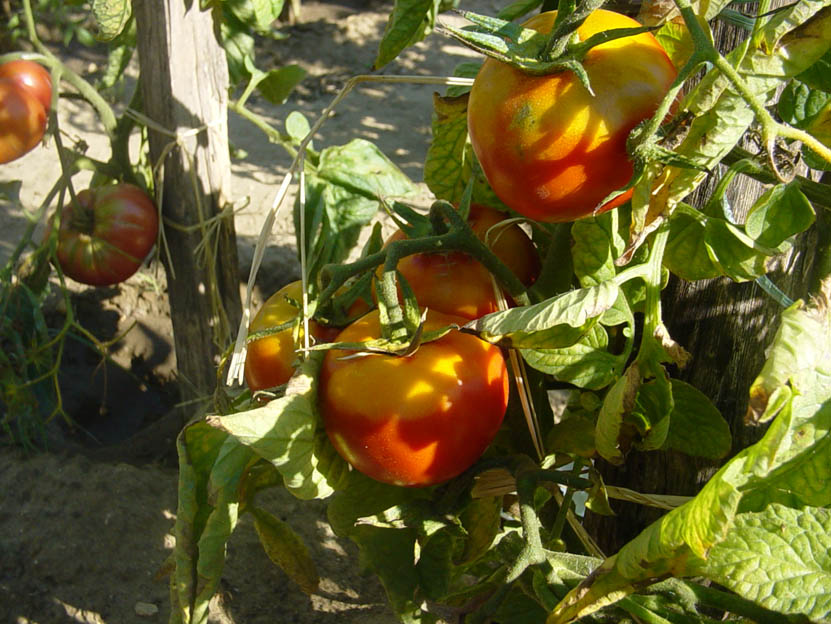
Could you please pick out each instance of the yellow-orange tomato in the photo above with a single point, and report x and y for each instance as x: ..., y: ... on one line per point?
x: 270, y: 361
x: 417, y: 420
x: 551, y: 150
x: 455, y: 283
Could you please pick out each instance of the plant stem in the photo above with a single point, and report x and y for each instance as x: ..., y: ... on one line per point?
x: 652, y: 305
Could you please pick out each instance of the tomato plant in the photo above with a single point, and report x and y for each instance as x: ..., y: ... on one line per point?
x: 22, y: 121
x: 30, y: 77
x: 455, y: 283
x: 413, y: 420
x: 104, y: 237
x: 549, y: 148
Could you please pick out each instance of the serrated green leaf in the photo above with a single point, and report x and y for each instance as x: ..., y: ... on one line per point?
x: 444, y: 166
x: 696, y: 426
x: 619, y: 401
x: 278, y: 84
x: 435, y: 564
x: 481, y: 521
x: 676, y: 40
x: 586, y: 364
x: 111, y: 16
x: 779, y: 558
x: 553, y: 323
x: 409, y: 22
x: 286, y: 549
x: 265, y: 13
x: 283, y: 433
x: 651, y: 414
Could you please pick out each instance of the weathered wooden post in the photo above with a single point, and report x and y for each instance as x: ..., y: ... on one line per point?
x: 184, y: 85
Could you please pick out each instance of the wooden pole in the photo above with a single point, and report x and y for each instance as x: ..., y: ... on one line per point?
x: 184, y: 87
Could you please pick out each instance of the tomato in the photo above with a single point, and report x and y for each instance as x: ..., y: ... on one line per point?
x: 105, y: 237
x: 269, y: 361
x: 30, y: 77
x: 417, y: 420
x: 22, y: 121
x: 454, y: 282
x: 549, y: 149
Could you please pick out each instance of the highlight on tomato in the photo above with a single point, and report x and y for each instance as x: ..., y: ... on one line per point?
x: 551, y: 150
x: 106, y: 235
x: 454, y: 282
x: 30, y: 77
x: 415, y: 420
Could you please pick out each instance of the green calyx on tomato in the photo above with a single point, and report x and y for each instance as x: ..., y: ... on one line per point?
x: 550, y: 149
x: 417, y: 420
x: 106, y: 235
x: 454, y: 282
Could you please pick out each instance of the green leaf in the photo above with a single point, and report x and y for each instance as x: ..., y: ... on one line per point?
x: 265, y: 13
x: 733, y: 252
x: 278, y: 84
x: 444, y: 166
x: 517, y: 9
x: 481, y: 521
x: 686, y: 253
x: 287, y: 550
x: 587, y: 363
x: 297, y: 126
x: 435, y: 563
x: 696, y: 426
x: 360, y: 167
x: 597, y: 244
x: 111, y: 16
x: 779, y: 558
x: 574, y: 434
x: 409, y: 22
x: 283, y: 433
x: 651, y: 413
x: 780, y: 213
x: 619, y: 401
x: 799, y: 104
x: 557, y: 322
x: 818, y: 75
x: 390, y: 553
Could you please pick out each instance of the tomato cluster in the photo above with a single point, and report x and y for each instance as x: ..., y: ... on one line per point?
x: 549, y: 148
x: 106, y: 234
x: 25, y: 98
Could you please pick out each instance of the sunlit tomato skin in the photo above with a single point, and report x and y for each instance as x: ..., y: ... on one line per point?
x: 454, y: 282
x: 30, y: 77
x: 22, y: 121
x: 418, y: 420
x: 105, y: 237
x: 549, y: 149
x: 270, y: 361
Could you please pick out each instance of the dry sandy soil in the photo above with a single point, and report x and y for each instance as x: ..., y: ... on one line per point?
x: 85, y: 528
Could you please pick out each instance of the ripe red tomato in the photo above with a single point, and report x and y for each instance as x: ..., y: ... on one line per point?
x: 30, y: 77
x: 269, y: 361
x: 549, y: 149
x: 104, y: 238
x: 22, y: 121
x: 417, y: 420
x: 455, y: 283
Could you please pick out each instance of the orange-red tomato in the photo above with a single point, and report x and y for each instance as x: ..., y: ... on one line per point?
x: 455, y: 283
x: 417, y: 420
x: 549, y: 149
x: 22, y: 121
x: 105, y: 236
x: 30, y: 77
